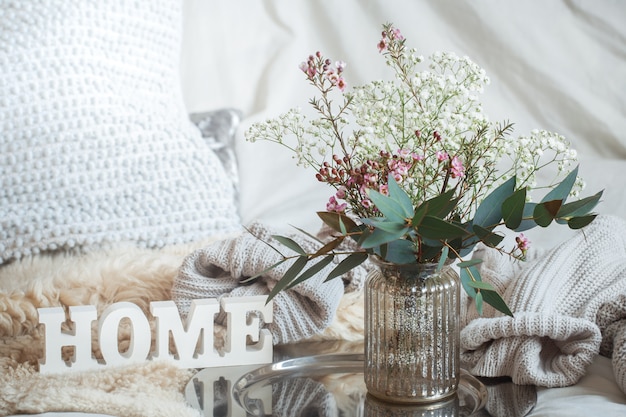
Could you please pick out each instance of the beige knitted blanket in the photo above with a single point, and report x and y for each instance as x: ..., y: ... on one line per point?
x: 569, y: 305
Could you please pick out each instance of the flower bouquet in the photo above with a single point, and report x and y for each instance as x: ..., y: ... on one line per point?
x: 420, y: 174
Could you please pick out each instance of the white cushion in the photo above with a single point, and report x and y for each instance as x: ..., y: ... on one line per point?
x: 95, y: 143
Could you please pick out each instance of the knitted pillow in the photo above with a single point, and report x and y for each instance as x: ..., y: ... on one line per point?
x: 96, y: 146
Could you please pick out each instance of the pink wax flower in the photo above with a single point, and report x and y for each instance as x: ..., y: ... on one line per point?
x: 522, y: 243
x: 441, y: 156
x: 334, y: 206
x: 457, y: 170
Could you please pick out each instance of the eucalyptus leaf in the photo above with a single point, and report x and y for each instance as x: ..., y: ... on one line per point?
x: 488, y: 237
x: 467, y: 275
x: 346, y: 265
x: 513, y: 209
x: 289, y: 276
x: 528, y: 221
x: 443, y: 258
x: 390, y: 208
x: 492, y: 298
x: 379, y: 237
x: 436, y: 228
x: 329, y: 246
x: 562, y: 190
x: 478, y: 300
x: 335, y: 220
x: 580, y: 207
x: 481, y: 285
x: 309, y: 273
x: 471, y: 262
x: 400, y: 252
x: 489, y: 212
x: 580, y: 222
x: 400, y: 196
x: 420, y: 212
x: 545, y: 212
x: 386, y: 225
x: 290, y: 243
x: 441, y: 205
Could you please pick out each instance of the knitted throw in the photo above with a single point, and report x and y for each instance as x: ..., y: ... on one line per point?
x: 299, y: 313
x: 569, y: 305
x: 96, y: 146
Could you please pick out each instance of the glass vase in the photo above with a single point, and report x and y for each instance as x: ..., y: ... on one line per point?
x: 412, y: 327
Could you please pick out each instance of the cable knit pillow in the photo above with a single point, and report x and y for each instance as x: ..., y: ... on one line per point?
x: 96, y: 146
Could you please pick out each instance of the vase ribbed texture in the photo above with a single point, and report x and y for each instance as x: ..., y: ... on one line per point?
x: 412, y: 330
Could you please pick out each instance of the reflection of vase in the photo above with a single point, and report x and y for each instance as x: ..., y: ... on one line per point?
x: 412, y: 332
x: 449, y: 407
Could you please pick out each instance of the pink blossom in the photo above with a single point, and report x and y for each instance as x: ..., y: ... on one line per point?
x: 522, y: 242
x: 396, y: 34
x: 341, y: 84
x: 382, y: 45
x: 441, y: 156
x: 383, y: 189
x: 341, y: 192
x: 404, y: 153
x: 456, y: 168
x: 417, y: 157
x: 402, y: 169
x: 367, y: 203
x: 340, y: 66
x: 334, y: 206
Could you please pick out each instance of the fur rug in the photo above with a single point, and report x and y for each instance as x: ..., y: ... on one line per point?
x: 102, y: 278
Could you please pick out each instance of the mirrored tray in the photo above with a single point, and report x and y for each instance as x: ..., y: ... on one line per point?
x: 332, y: 385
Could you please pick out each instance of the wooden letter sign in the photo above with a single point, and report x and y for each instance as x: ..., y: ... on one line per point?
x: 193, y: 339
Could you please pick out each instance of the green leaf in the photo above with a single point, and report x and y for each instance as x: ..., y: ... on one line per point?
x: 545, y: 212
x: 528, y: 222
x: 390, y: 208
x: 419, y: 214
x: 489, y: 213
x: 430, y: 251
x: 481, y: 285
x: 289, y: 276
x: 400, y: 252
x: 513, y: 209
x: 478, y: 300
x: 335, y: 220
x: 486, y: 236
x: 562, y: 190
x: 399, y: 195
x: 436, y: 228
x: 379, y: 237
x: 443, y: 258
x: 386, y: 225
x: 580, y: 222
x: 317, y: 267
x: 471, y: 262
x: 467, y: 275
x: 441, y: 205
x: 331, y: 245
x: 290, y: 243
x: 492, y: 298
x: 581, y: 207
x: 350, y: 262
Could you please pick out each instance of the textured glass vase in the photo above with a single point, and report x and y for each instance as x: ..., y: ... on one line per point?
x: 412, y: 330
